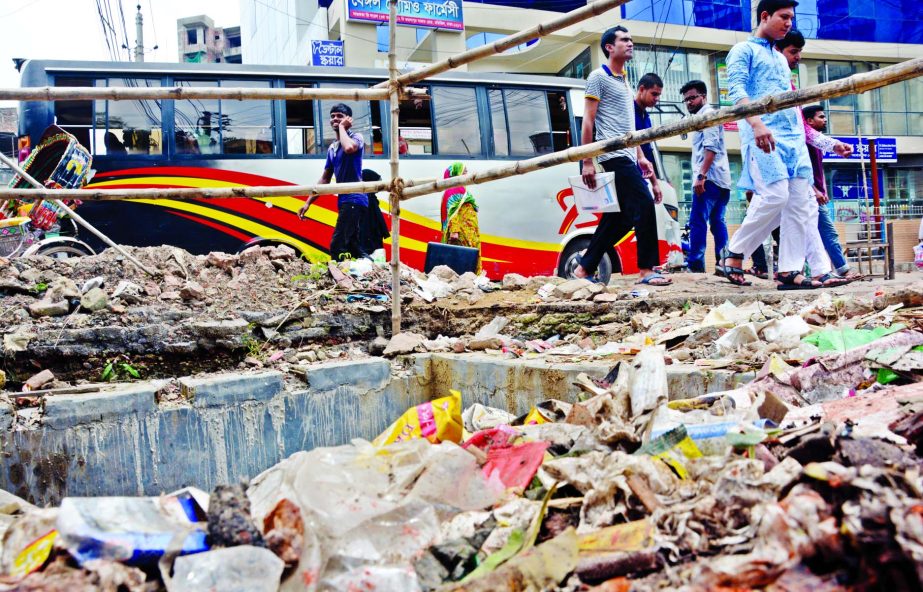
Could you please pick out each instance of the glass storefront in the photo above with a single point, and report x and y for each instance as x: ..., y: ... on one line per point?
x: 882, y: 111
x: 733, y: 15
x: 888, y: 21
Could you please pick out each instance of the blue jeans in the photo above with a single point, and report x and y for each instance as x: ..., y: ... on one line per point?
x: 830, y: 239
x: 707, y: 210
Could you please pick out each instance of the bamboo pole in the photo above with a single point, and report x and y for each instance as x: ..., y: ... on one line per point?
x: 542, y: 30
x: 396, y: 183
x: 77, y: 217
x: 49, y: 93
x: 184, y: 193
x: 855, y: 84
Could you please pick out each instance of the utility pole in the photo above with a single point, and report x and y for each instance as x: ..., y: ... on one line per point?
x: 139, y: 32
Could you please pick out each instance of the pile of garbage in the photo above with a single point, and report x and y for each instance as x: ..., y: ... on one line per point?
x: 807, y: 477
x: 735, y: 337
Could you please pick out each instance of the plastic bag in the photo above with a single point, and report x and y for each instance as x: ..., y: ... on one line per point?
x: 515, y: 465
x: 368, y: 509
x: 437, y: 421
x: 843, y: 340
x: 918, y: 256
x: 236, y: 569
x: 479, y: 417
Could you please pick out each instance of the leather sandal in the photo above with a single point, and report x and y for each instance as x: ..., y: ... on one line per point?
x: 735, y: 275
x: 787, y: 282
x: 832, y: 280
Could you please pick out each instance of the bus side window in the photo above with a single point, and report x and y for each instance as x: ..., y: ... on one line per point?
x: 197, y: 122
x: 128, y: 127
x: 299, y: 123
x: 366, y: 121
x: 560, y: 121
x: 246, y: 126
x: 458, y: 128
x: 527, y: 113
x: 415, y: 135
x: 75, y: 117
x: 498, y: 122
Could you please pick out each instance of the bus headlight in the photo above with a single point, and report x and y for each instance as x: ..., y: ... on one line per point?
x: 673, y: 211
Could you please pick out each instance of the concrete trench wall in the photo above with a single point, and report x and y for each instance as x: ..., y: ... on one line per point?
x: 231, y: 427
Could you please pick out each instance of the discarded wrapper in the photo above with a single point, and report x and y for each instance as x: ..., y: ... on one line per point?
x: 133, y: 530
x: 437, y: 421
x: 674, y: 448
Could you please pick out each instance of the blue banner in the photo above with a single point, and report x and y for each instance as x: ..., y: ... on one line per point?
x: 327, y: 53
x: 885, y: 150
x: 438, y: 14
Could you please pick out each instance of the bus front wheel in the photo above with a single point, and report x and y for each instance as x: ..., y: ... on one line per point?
x: 573, y: 250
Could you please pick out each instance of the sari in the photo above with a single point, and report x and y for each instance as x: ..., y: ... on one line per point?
x: 459, y: 215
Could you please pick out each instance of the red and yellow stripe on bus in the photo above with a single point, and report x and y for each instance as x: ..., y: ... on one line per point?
x: 275, y: 219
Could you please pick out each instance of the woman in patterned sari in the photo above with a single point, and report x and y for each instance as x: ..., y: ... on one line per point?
x: 460, y: 215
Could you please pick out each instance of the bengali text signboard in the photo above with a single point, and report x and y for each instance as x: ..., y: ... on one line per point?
x: 327, y: 53
x: 885, y: 150
x: 439, y: 14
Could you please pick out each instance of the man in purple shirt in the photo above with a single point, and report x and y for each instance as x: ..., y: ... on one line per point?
x: 815, y: 117
x: 344, y: 162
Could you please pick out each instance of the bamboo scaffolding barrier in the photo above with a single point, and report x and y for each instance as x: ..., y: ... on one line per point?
x: 396, y: 184
x: 855, y: 84
x: 57, y: 93
x: 499, y: 46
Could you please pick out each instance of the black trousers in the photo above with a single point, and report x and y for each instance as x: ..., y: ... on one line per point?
x: 637, y: 211
x: 348, y: 232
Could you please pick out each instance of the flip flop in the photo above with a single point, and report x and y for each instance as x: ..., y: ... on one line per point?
x: 651, y: 280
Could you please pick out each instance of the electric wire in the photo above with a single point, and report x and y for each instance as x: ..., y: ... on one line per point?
x: 127, y: 44
x: 150, y: 7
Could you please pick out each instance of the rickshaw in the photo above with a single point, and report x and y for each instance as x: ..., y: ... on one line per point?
x: 44, y: 227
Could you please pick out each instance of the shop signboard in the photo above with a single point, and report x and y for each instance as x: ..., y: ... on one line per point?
x: 327, y: 53
x: 438, y: 14
x: 885, y: 150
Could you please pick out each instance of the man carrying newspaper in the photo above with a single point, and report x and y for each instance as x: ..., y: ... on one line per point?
x: 609, y: 110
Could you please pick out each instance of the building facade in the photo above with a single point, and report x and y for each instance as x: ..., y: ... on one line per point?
x: 199, y: 40
x: 680, y: 40
x: 281, y: 31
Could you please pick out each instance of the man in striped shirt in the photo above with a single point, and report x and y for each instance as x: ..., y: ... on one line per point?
x: 608, y: 114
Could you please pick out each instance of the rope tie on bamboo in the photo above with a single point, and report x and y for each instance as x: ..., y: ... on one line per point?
x: 397, y: 187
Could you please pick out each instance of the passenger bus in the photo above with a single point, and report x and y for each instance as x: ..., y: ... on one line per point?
x: 529, y: 224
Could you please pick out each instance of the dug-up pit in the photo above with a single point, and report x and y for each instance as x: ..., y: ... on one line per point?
x: 151, y: 437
